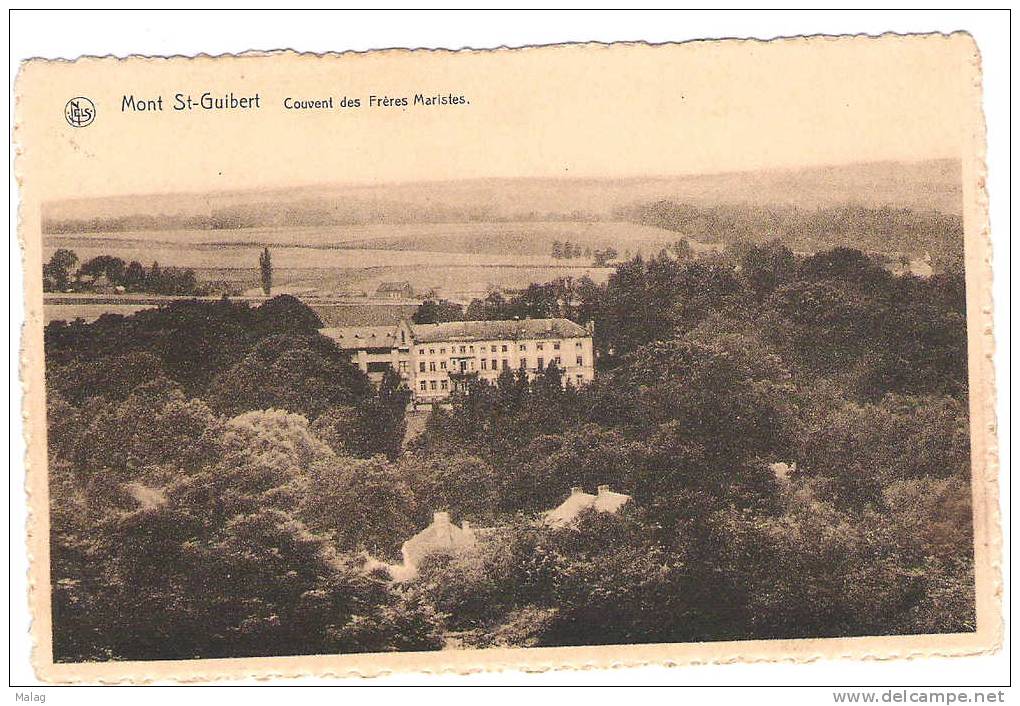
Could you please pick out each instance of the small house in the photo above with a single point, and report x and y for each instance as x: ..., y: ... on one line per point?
x: 395, y: 290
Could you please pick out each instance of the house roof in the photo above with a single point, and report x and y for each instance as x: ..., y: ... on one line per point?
x: 355, y: 337
x: 569, y: 509
x: 507, y: 330
x: 393, y: 286
x: 440, y: 536
x: 566, y: 511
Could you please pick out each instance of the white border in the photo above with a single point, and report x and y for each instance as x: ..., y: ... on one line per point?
x: 66, y: 34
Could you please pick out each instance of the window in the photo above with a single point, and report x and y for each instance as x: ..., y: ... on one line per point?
x: 524, y: 346
x: 432, y: 367
x: 442, y: 350
x: 403, y: 366
x: 432, y: 385
x: 442, y: 365
x: 580, y: 378
x: 506, y: 364
x: 541, y: 362
x: 472, y: 349
x: 422, y: 385
x: 540, y: 346
x: 580, y: 360
x: 462, y: 349
x: 494, y: 367
x: 504, y: 348
x: 492, y: 349
x: 421, y: 368
x: 524, y: 363
x: 421, y: 351
x: 432, y: 351
x: 577, y: 345
x: 485, y: 364
x: 556, y: 346
x: 444, y: 384
x: 558, y: 361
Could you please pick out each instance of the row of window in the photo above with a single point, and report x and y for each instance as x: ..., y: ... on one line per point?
x: 489, y: 364
x: 444, y: 385
x: 505, y: 348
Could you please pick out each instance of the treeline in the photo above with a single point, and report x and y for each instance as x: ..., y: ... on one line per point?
x: 63, y: 273
x: 875, y: 229
x: 220, y: 474
x: 303, y: 214
x: 568, y: 251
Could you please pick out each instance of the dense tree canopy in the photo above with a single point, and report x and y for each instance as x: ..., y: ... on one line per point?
x: 224, y: 482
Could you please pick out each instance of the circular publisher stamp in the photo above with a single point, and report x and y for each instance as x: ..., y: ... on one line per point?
x: 80, y: 112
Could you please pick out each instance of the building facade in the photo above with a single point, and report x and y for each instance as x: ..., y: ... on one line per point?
x: 375, y: 349
x: 437, y: 359
x: 446, y: 356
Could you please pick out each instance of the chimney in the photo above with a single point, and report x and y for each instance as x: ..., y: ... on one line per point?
x: 576, y: 490
x: 603, y: 489
x: 440, y: 518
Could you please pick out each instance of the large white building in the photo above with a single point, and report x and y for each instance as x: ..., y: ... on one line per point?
x: 436, y: 359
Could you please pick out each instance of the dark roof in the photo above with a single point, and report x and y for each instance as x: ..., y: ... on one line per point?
x: 363, y: 314
x: 508, y: 330
x: 357, y: 337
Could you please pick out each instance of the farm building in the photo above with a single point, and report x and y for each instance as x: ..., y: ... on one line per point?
x: 395, y: 290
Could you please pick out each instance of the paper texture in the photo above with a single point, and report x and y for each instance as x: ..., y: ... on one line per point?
x: 305, y: 423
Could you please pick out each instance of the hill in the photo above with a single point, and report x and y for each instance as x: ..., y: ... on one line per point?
x: 919, y: 186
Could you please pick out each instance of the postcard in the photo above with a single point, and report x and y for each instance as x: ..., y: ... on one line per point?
x: 556, y: 357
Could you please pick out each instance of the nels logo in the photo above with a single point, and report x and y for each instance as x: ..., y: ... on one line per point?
x: 79, y: 112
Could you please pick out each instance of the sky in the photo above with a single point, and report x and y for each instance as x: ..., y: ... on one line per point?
x: 568, y: 111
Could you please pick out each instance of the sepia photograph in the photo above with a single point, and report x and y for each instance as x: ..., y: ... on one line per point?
x: 463, y: 355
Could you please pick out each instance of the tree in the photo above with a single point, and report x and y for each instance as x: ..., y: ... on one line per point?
x: 154, y: 426
x: 111, y: 267
x: 134, y: 276
x: 266, y: 271
x: 286, y: 314
x: 730, y: 392
x: 432, y: 311
x: 683, y: 250
x: 306, y: 374
x: 364, y: 503
x: 371, y: 426
x: 466, y: 486
x: 154, y: 278
x: 766, y: 266
x: 57, y: 272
